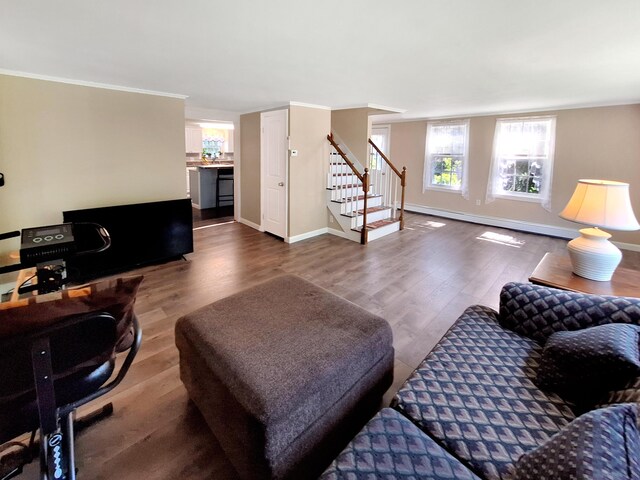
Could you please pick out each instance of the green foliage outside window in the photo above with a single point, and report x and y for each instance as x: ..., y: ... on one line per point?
x: 447, y: 171
x: 521, y: 176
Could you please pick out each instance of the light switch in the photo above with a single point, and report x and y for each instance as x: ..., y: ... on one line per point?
x: 294, y: 153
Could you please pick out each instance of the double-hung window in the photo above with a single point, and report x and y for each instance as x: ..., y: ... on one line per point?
x: 447, y: 153
x: 522, y: 160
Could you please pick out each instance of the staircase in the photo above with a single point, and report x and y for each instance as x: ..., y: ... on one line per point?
x: 347, y: 182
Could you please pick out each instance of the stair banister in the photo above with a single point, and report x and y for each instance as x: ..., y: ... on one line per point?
x: 403, y: 183
x: 345, y: 158
x: 402, y: 176
x: 365, y: 188
x: 364, y: 178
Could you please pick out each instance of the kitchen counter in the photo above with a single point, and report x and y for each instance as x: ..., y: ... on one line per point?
x: 203, y: 183
x: 216, y: 165
x: 200, y: 163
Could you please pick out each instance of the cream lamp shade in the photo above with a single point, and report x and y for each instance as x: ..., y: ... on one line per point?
x: 599, y: 203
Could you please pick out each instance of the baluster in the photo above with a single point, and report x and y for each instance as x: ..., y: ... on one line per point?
x: 395, y: 196
x: 378, y: 173
x: 352, y: 193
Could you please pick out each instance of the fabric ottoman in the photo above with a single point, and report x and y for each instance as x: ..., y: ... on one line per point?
x: 285, y: 374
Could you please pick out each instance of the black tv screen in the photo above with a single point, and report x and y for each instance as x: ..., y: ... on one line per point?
x: 141, y: 234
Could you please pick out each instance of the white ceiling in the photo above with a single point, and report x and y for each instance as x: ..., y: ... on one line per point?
x: 429, y: 58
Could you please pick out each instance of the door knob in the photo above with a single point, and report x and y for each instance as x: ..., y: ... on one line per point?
x: 281, y: 184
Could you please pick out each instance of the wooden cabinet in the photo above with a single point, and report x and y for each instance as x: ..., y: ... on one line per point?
x: 193, y: 139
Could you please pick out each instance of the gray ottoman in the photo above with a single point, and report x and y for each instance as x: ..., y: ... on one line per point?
x: 285, y: 374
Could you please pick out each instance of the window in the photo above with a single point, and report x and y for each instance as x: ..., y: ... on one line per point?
x: 522, y: 161
x: 446, y: 158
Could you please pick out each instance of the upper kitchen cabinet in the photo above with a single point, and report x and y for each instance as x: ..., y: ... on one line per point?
x: 212, y: 139
x: 193, y: 139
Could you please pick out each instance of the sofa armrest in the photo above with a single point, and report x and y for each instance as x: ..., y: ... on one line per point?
x: 536, y: 311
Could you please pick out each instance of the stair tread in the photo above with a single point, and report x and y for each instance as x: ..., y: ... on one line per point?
x: 376, y: 224
x: 369, y: 210
x: 374, y: 209
x: 360, y: 197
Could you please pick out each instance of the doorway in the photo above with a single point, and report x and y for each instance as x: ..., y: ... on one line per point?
x: 274, y: 151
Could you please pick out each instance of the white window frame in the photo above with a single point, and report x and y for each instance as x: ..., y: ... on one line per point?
x: 431, y: 154
x: 500, y: 154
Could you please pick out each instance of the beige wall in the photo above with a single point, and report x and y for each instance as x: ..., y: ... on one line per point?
x: 67, y: 147
x: 599, y: 143
x: 352, y: 126
x: 308, y: 129
x: 250, y: 167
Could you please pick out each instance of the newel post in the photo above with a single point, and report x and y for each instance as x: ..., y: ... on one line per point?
x: 403, y: 183
x: 365, y: 188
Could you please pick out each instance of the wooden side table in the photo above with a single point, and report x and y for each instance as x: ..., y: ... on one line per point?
x: 554, y: 270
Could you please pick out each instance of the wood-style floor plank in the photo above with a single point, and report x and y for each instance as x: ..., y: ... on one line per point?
x: 420, y: 280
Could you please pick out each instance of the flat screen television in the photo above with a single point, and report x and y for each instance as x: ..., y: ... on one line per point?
x: 141, y: 234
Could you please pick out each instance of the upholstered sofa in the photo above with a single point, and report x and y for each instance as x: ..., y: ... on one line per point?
x: 472, y: 408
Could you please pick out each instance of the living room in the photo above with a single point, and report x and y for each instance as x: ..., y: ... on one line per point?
x: 92, y: 114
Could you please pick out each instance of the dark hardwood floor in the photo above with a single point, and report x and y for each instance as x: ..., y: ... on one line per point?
x: 420, y: 280
x: 211, y: 216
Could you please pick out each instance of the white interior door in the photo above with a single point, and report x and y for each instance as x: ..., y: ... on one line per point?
x: 274, y: 149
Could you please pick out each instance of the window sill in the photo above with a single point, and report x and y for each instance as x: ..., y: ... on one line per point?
x: 434, y: 188
x: 518, y: 197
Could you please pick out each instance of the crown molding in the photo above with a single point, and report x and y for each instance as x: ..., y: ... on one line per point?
x: 82, y: 83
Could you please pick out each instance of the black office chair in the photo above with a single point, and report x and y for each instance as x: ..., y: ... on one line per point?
x: 46, y: 375
x: 224, y: 175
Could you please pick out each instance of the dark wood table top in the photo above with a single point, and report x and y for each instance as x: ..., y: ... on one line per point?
x: 554, y: 270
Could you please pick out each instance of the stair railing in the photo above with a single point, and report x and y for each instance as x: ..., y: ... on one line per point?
x: 351, y: 188
x: 385, y: 183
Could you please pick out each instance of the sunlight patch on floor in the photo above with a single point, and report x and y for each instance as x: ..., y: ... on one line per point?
x: 430, y: 224
x: 507, y: 240
x: 214, y: 225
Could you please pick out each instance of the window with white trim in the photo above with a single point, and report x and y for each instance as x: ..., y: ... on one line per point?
x: 522, y: 160
x: 446, y: 156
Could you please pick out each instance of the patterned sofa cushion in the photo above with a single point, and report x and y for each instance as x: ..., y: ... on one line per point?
x: 474, y: 394
x: 390, y: 447
x: 630, y: 393
x: 584, y: 364
x: 536, y: 311
x: 601, y: 444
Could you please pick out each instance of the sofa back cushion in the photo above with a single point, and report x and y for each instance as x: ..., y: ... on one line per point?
x: 536, y: 312
x: 601, y: 444
x: 585, y: 364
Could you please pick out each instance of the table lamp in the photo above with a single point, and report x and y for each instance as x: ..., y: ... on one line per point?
x: 599, y: 203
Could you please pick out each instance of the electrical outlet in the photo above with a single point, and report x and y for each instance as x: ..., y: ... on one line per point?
x: 478, y: 202
x: 330, y: 218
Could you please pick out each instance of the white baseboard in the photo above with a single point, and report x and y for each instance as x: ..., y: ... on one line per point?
x: 550, y: 230
x: 304, y: 236
x: 627, y: 246
x: 250, y: 224
x: 495, y: 221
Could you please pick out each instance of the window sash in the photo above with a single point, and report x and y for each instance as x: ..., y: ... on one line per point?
x: 522, y: 161
x: 446, y: 156
x: 448, y: 168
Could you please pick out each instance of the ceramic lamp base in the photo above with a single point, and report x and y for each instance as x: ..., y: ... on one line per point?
x: 593, y: 256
